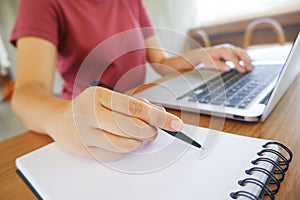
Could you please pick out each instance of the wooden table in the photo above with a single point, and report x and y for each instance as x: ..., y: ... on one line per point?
x: 283, y: 124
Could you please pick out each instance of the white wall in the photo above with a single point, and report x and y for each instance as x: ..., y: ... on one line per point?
x: 177, y: 17
x: 8, y: 9
x: 214, y: 12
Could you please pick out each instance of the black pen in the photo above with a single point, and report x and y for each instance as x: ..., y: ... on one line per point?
x: 181, y: 136
x: 177, y: 134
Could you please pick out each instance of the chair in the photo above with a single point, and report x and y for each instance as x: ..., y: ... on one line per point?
x: 199, y: 38
x: 260, y: 23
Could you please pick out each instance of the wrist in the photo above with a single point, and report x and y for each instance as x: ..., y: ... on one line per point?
x: 57, y: 112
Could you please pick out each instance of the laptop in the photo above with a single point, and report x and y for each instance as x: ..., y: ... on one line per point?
x: 245, y: 97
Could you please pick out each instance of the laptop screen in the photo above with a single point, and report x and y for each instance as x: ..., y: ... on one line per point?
x: 287, y: 75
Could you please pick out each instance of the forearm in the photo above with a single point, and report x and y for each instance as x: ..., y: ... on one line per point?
x: 35, y: 106
x: 166, y: 65
x: 185, y: 61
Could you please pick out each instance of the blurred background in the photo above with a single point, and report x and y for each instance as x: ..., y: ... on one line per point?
x: 220, y: 21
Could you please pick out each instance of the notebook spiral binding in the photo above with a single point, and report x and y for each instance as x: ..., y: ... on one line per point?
x: 275, y: 177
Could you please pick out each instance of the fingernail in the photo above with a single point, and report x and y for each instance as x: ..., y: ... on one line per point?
x: 176, y: 125
x: 242, y: 70
x: 227, y: 69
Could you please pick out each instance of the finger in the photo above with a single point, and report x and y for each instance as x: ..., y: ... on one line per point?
x: 242, y: 55
x: 105, y: 155
x: 148, y: 102
x: 136, y: 108
x: 123, y: 125
x: 144, y: 100
x: 229, y: 55
x: 110, y: 142
x: 221, y: 66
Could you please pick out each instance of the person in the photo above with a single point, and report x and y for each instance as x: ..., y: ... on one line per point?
x: 60, y: 34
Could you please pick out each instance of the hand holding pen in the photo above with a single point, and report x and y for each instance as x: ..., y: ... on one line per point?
x: 121, y: 123
x: 107, y: 125
x: 175, y: 128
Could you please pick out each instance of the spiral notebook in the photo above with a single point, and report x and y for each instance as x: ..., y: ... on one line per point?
x: 230, y: 167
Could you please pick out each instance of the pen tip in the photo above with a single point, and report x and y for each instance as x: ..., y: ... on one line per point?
x: 196, y: 144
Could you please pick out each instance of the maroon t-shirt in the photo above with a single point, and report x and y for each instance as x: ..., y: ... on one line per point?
x: 95, y: 39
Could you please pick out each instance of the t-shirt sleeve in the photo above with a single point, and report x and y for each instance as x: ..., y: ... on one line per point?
x: 145, y: 21
x: 36, y: 18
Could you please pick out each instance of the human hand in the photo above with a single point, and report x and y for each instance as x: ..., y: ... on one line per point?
x: 107, y: 125
x: 227, y: 52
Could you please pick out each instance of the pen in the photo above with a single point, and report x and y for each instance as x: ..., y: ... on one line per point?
x: 177, y: 134
x: 181, y: 136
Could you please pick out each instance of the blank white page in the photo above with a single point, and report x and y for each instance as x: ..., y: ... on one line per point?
x: 164, y: 169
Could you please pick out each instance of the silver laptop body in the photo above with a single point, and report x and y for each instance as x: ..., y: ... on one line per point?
x: 185, y: 92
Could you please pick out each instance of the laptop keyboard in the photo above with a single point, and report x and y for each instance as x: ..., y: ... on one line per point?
x: 234, y: 89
